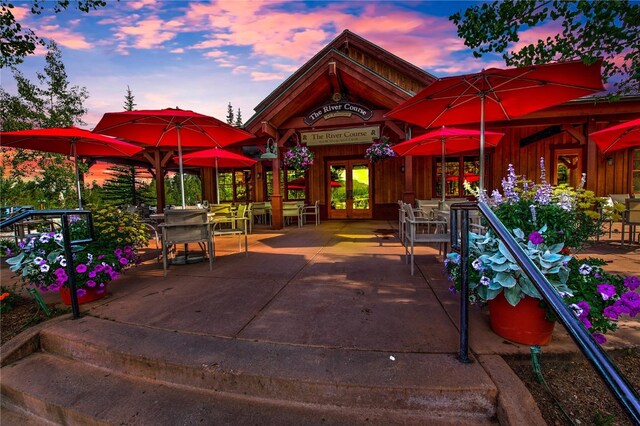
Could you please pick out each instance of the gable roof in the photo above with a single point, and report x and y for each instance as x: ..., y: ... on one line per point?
x: 350, y: 65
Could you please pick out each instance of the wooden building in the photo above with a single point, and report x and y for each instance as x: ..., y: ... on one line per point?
x: 335, y: 105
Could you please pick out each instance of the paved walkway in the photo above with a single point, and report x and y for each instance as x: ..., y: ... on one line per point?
x: 342, y: 284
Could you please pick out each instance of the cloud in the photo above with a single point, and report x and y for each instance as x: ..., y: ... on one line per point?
x: 266, y: 76
x: 177, y: 50
x: 64, y: 37
x: 147, y: 33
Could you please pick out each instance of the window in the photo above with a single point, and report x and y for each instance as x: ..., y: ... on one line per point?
x: 454, y: 179
x: 235, y: 186
x: 635, y: 172
x: 567, y: 166
x: 295, y: 184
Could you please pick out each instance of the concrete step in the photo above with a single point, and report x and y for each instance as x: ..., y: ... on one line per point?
x: 94, y: 371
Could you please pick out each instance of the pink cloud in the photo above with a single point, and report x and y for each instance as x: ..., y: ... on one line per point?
x: 177, y: 50
x: 266, y: 76
x: 146, y: 34
x: 64, y: 37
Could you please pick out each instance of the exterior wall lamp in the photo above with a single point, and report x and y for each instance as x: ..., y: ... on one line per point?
x: 609, y: 161
x: 270, y: 150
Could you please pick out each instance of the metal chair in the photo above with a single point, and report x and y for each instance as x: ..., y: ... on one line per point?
x: 184, y: 227
x: 413, y: 237
x: 238, y: 226
x: 312, y: 210
x: 291, y: 209
x: 631, y: 218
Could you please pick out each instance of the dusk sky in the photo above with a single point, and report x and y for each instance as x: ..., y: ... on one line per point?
x: 203, y: 55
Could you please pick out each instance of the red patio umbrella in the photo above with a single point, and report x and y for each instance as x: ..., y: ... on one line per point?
x: 171, y: 127
x: 446, y: 140
x: 71, y: 141
x: 215, y: 157
x: 625, y: 135
x: 498, y: 94
x: 301, y: 183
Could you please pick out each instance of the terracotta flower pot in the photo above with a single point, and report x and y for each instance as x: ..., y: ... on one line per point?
x: 524, y: 323
x: 91, y: 295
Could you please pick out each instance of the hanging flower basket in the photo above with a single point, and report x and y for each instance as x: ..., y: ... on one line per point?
x: 298, y: 158
x: 380, y: 150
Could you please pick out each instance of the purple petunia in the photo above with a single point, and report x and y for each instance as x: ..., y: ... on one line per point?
x: 91, y: 283
x: 123, y: 261
x: 632, y: 283
x: 607, y: 291
x: 81, y: 268
x: 536, y: 238
x: 599, y: 338
x: 585, y: 269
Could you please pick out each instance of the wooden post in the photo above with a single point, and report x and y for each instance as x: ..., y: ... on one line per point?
x: 277, y: 221
x: 160, y: 197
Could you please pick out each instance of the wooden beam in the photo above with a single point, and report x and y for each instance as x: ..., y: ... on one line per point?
x: 286, y: 136
x: 333, y: 78
x: 580, y: 137
x: 269, y: 129
x: 396, y: 129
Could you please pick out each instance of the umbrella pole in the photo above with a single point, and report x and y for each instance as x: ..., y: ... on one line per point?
x: 74, y: 151
x: 481, y: 183
x: 442, y: 169
x: 180, y: 166
x: 217, y: 184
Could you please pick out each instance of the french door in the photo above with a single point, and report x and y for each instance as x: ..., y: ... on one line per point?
x: 349, y: 183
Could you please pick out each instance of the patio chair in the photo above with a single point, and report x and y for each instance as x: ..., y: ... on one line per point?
x: 259, y: 212
x: 184, y: 227
x: 631, y: 219
x: 613, y: 199
x: 413, y: 237
x: 291, y: 209
x: 238, y: 226
x: 312, y: 210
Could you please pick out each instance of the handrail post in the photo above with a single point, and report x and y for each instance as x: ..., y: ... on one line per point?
x: 463, y: 355
x: 68, y: 254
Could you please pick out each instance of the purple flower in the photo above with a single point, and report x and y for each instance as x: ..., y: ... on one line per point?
x: 60, y: 272
x: 632, y: 283
x: 81, y: 292
x: 485, y: 281
x: 92, y: 274
x: 606, y: 291
x: 586, y: 322
x: 585, y: 269
x: 536, y: 238
x: 118, y: 252
x: 128, y: 249
x: 123, y: 261
x: 91, y: 283
x: 100, y: 257
x: 98, y: 268
x: 599, y: 338
x: 611, y: 312
x: 81, y: 268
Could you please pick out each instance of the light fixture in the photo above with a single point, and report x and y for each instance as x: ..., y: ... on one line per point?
x: 270, y: 150
x: 402, y: 169
x: 610, y: 161
x: 258, y: 176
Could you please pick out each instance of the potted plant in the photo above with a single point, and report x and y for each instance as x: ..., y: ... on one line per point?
x: 41, y: 260
x: 379, y: 150
x: 549, y: 224
x: 298, y: 158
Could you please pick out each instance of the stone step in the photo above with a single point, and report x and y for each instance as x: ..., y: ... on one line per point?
x: 95, y: 359
x: 64, y: 391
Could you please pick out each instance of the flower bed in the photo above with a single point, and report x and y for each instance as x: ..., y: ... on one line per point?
x: 41, y: 260
x: 549, y: 224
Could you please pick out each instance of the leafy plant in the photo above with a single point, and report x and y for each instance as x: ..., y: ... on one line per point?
x: 380, y: 150
x: 8, y: 299
x: 298, y: 157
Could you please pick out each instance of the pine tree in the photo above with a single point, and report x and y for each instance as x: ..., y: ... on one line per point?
x: 230, y: 114
x: 129, y: 104
x: 238, y: 122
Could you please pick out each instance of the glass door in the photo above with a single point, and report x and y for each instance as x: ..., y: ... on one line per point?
x: 350, y: 183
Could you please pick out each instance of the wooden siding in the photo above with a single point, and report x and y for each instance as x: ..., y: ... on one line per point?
x: 386, y: 71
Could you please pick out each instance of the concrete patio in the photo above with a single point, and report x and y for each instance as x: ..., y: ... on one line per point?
x: 318, y: 325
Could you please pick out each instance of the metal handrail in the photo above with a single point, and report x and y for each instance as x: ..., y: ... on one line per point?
x: 620, y: 388
x: 64, y: 216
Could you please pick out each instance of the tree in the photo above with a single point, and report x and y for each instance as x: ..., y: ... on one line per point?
x: 51, y: 103
x: 238, y: 122
x: 590, y: 30
x: 129, y: 104
x: 229, y: 114
x: 124, y: 188
x: 16, y: 41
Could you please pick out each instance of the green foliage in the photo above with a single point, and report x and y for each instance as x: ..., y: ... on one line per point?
x: 18, y: 41
x: 118, y: 228
x: 7, y: 246
x: 230, y: 114
x: 192, y: 190
x: 238, y: 122
x: 589, y: 30
x: 129, y: 104
x: 8, y: 299
x: 124, y: 188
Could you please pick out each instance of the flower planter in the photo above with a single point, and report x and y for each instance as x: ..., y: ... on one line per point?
x: 91, y: 295
x: 524, y: 323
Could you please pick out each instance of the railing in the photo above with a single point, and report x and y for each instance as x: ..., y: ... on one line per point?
x: 618, y: 385
x: 64, y: 216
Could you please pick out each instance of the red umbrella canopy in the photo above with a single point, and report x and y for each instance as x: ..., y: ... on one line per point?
x: 301, y: 183
x: 65, y: 140
x: 455, y: 140
x: 165, y: 126
x: 625, y: 135
x: 215, y: 157
x: 506, y: 93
